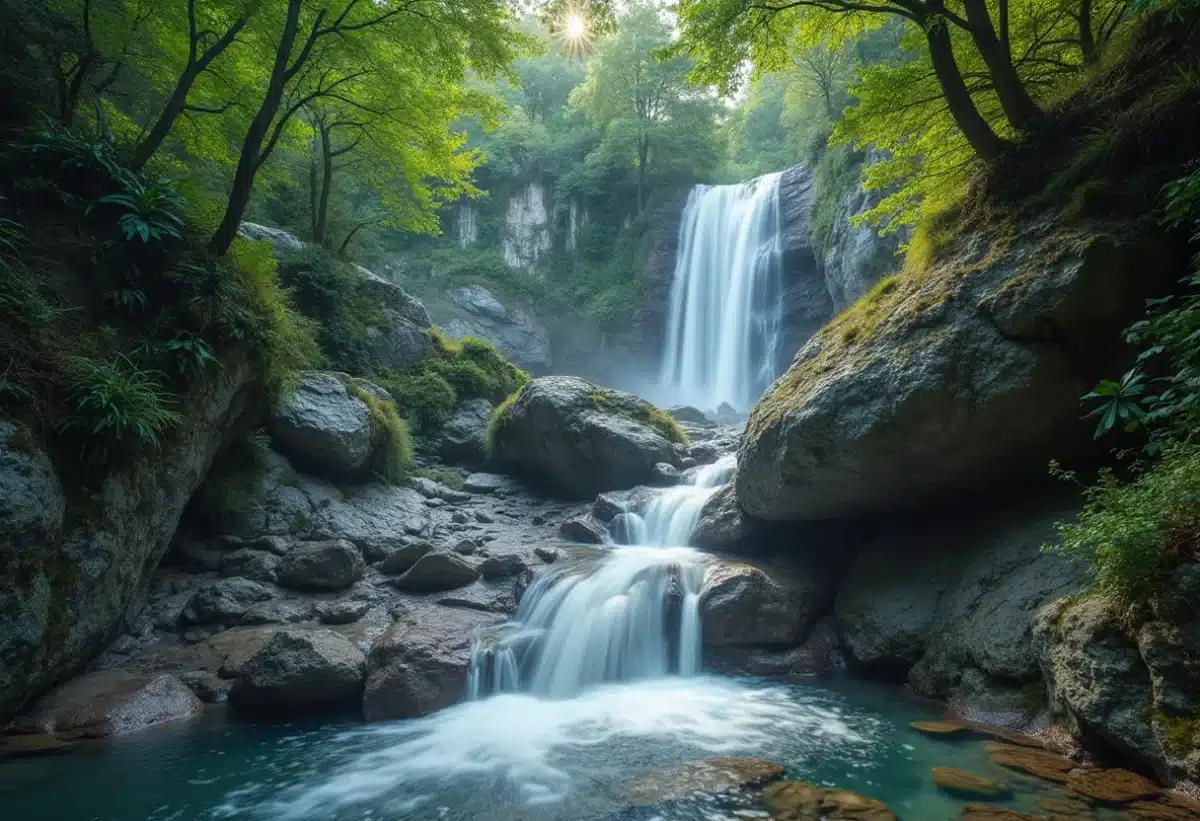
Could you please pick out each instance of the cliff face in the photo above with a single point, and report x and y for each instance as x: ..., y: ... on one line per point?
x: 77, y: 563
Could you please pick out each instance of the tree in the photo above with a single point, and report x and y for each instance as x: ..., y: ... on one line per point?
x: 824, y: 73
x: 644, y: 104
x: 335, y: 52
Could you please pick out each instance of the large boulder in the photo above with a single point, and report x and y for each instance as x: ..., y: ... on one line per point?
x: 324, y: 427
x: 75, y: 564
x: 375, y: 518
x: 110, y: 702
x: 332, y: 565
x: 421, y: 664
x: 579, y: 439
x: 437, y: 571
x: 464, y: 437
x: 297, y: 672
x: 224, y: 601
x: 763, y: 605
x: 397, y: 343
x: 722, y: 525
x: 399, y: 303
x: 965, y: 376
x: 516, y: 332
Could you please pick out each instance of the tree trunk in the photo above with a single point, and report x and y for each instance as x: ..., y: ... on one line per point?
x: 314, y: 187
x: 144, y: 150
x: 1087, y: 41
x: 643, y: 157
x: 322, y: 219
x: 251, y: 153
x: 962, y: 108
x: 1019, y: 108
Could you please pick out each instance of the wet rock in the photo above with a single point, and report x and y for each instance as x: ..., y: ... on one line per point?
x: 499, y: 567
x: 1041, y: 763
x: 397, y: 343
x: 743, y: 604
x: 194, y: 554
x: 800, y: 801
x: 267, y: 498
x: 343, y: 611
x: 300, y: 671
x: 402, y: 558
x: 1166, y: 807
x: 964, y: 783
x: 110, y: 702
x: 722, y: 525
x: 1111, y: 785
x: 515, y: 330
x: 664, y: 475
x: 692, y: 416
x: 1065, y: 808
x: 318, y: 566
x: 464, y: 439
x: 420, y: 665
x: 990, y: 812
x: 485, y: 483
x: 579, y: 439
x: 279, y: 239
x: 277, y: 611
x: 208, y: 687
x: 608, y: 505
x: 547, y: 554
x: 33, y: 746
x: 374, y: 517
x: 483, y: 518
x: 465, y: 547
x: 708, y: 776
x: 940, y: 728
x: 223, y: 601
x: 393, y: 298
x: 255, y: 565
x: 322, y: 427
x: 437, y: 571
x: 584, y: 529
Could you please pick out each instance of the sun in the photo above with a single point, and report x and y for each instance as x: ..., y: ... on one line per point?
x: 576, y: 27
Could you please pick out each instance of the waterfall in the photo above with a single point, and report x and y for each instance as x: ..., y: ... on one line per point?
x: 724, y: 312
x: 616, y: 614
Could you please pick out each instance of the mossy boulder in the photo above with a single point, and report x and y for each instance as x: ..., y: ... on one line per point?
x: 578, y: 439
x: 962, y: 372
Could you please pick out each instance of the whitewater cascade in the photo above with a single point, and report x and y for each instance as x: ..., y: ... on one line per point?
x: 617, y: 614
x: 724, y: 313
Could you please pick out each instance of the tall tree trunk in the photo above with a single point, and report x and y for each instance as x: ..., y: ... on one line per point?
x: 1019, y: 108
x: 314, y: 188
x: 322, y: 220
x: 643, y: 158
x: 962, y: 108
x: 251, y: 154
x: 1087, y: 40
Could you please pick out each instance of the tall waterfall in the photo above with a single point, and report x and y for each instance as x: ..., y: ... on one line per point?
x: 724, y: 313
x: 618, y: 614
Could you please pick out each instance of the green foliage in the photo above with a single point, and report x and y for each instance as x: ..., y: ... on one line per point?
x: 330, y: 292
x: 445, y: 476
x: 392, y: 450
x: 115, y: 402
x: 497, y: 423
x: 149, y: 210
x: 1120, y: 402
x: 423, y: 397
x: 1128, y: 531
x: 836, y: 175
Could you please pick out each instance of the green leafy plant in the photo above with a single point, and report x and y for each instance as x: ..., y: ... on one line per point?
x: 1120, y: 402
x: 189, y: 354
x: 151, y: 210
x: 72, y: 150
x: 114, y: 401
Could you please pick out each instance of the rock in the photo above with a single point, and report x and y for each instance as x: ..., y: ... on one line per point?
x: 990, y: 812
x: 280, y: 240
x: 1065, y: 808
x: 547, y: 554
x: 818, y: 656
x: 343, y: 611
x: 426, y: 487
x: 420, y: 665
x: 70, y: 581
x: 223, y: 601
x: 664, y: 475
x: 964, y: 783
x: 743, y: 604
x: 208, y: 687
x: 608, y: 505
x: 692, y: 416
x: 940, y: 728
x: 483, y: 518
x: 516, y: 333
x: 579, y: 439
x: 437, y: 571
x: 397, y: 343
x: 1110, y: 785
x: 538, y: 520
x: 486, y: 483
x: 322, y: 427
x: 709, y: 776
x: 300, y: 671
x: 722, y: 525
x: 625, y: 528
x: 265, y: 498
x: 947, y: 383
x: 373, y: 517
x: 108, y: 703
x: 332, y: 565
x: 277, y: 611
x: 1167, y: 807
x: 1041, y: 763
x: 255, y: 565
x: 402, y: 558
x: 499, y: 567
x: 33, y: 746
x: 463, y: 440
x: 800, y: 801
x: 465, y: 547
x: 393, y: 298
x: 583, y: 528
x: 727, y: 414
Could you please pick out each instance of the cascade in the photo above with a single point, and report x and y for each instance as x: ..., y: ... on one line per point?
x: 618, y: 614
x: 724, y: 312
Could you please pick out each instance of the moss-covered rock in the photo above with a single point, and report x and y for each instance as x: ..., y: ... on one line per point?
x: 579, y: 439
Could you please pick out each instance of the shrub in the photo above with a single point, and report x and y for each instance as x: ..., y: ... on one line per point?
x: 1128, y: 531
x: 150, y: 210
x: 114, y: 402
x: 422, y: 397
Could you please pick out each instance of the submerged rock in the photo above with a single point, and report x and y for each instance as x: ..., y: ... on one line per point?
x: 1041, y: 763
x: 110, y: 702
x: 579, y: 439
x: 420, y: 665
x: 800, y: 801
x: 709, y: 776
x: 1111, y: 785
x: 962, y: 782
x: 300, y: 671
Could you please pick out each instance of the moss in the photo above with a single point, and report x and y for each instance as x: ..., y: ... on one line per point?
x: 450, y: 478
x: 497, y: 423
x: 641, y: 411
x: 1180, y: 734
x: 392, y: 450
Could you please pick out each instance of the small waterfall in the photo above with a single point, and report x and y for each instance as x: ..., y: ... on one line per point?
x: 615, y: 614
x: 724, y: 313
